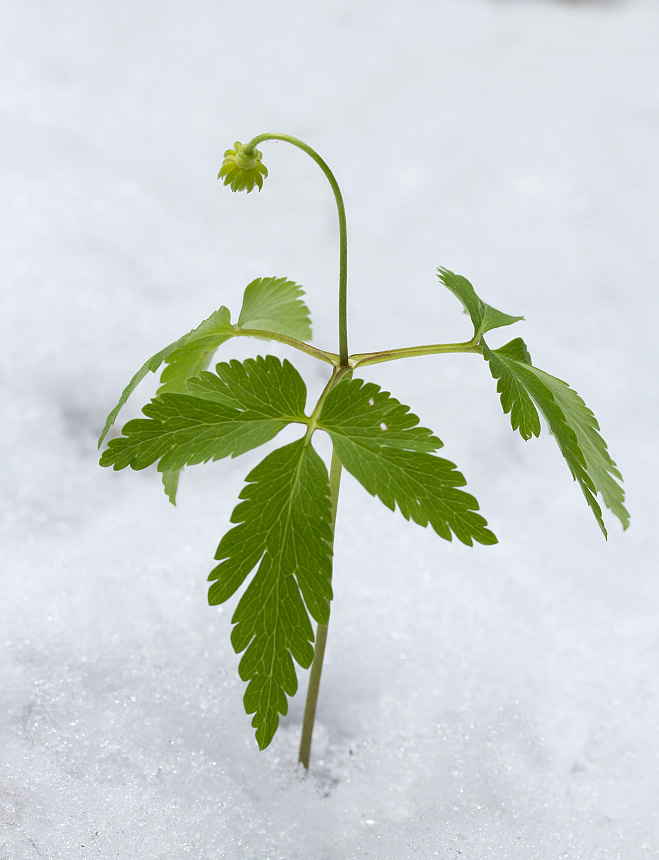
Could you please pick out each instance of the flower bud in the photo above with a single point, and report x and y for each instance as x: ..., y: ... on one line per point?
x: 242, y: 168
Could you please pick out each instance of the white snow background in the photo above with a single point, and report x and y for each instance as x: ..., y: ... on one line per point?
x: 497, y: 702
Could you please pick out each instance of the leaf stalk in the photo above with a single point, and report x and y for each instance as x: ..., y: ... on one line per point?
x: 364, y: 358
x: 361, y: 359
x: 321, y: 354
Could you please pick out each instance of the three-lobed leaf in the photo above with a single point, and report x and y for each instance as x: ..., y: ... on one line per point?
x: 284, y: 528
x: 483, y: 316
x: 224, y: 415
x: 379, y: 442
x: 269, y: 304
x: 522, y: 388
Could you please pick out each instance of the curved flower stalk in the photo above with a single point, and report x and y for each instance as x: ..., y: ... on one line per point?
x: 241, y: 155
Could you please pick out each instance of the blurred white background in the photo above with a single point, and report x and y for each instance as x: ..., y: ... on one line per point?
x: 490, y: 702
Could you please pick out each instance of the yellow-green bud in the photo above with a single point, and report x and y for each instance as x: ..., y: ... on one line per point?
x: 242, y: 168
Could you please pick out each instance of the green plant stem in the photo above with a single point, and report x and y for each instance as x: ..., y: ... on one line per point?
x: 321, y: 354
x: 337, y: 375
x: 364, y: 358
x: 321, y: 636
x: 360, y: 359
x: 343, y: 233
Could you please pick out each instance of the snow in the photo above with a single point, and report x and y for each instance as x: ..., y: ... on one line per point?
x: 490, y: 702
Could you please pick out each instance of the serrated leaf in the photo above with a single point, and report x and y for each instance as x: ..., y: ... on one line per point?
x: 523, y: 387
x: 372, y: 417
x: 274, y: 304
x: 151, y: 365
x: 196, y: 351
x: 264, y: 385
x: 184, y: 429
x: 515, y: 349
x: 379, y: 442
x: 181, y: 362
x: 483, y: 316
x: 170, y: 484
x: 186, y: 361
x: 599, y: 465
x: 515, y: 399
x: 284, y: 527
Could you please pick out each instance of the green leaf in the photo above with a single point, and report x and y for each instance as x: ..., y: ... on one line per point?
x: 195, y: 352
x: 378, y: 441
x: 515, y: 399
x: 515, y: 349
x: 265, y: 386
x: 170, y: 484
x: 523, y: 387
x: 151, y: 365
x: 187, y: 361
x: 484, y: 317
x: 274, y: 304
x: 182, y: 362
x: 599, y: 465
x: 223, y: 416
x: 372, y: 417
x: 284, y: 527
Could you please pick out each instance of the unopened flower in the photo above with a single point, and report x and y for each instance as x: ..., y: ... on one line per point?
x: 242, y: 168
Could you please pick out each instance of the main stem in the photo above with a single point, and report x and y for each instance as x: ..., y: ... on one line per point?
x: 321, y: 636
x: 343, y: 233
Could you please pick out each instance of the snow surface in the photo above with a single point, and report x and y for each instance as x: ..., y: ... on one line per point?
x: 476, y: 703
